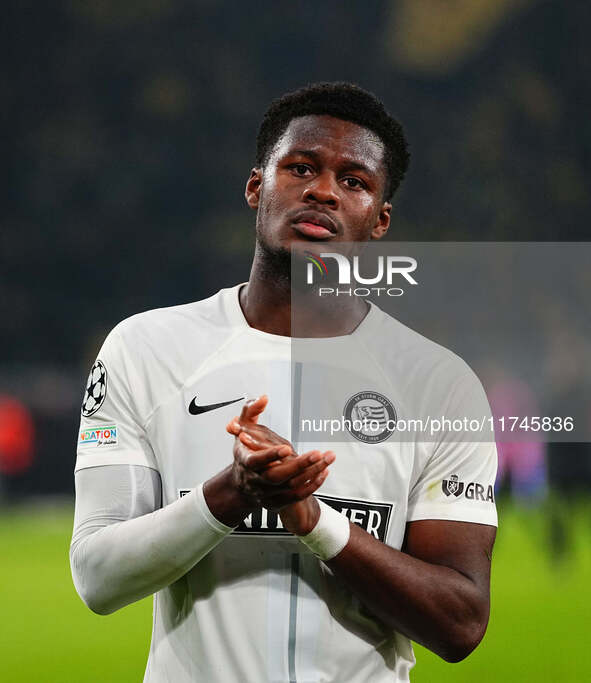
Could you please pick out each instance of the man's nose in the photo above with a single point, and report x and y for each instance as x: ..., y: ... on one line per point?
x: 322, y: 190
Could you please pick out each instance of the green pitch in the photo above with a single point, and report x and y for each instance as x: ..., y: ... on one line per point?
x: 539, y: 628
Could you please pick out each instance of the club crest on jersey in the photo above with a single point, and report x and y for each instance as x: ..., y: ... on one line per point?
x: 452, y: 486
x: 372, y: 516
x: 369, y: 417
x: 471, y: 491
x: 96, y: 389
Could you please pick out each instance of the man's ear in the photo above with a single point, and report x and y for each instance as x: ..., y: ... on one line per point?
x: 253, y: 188
x: 381, y: 227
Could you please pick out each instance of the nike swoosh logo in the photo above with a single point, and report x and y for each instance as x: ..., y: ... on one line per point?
x: 194, y: 409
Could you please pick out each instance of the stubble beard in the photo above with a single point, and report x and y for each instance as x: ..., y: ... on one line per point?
x: 274, y: 263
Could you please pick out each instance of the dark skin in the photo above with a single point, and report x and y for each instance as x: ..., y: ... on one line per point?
x: 336, y: 169
x: 436, y: 589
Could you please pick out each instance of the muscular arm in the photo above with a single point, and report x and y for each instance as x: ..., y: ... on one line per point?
x: 436, y: 591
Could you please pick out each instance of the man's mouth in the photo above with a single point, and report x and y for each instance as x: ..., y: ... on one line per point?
x: 315, y: 225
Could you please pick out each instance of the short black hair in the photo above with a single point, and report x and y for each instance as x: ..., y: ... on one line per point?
x: 343, y: 101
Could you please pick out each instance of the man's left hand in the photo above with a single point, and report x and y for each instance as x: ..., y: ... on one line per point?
x: 301, y: 517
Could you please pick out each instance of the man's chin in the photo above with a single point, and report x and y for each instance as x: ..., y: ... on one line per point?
x: 298, y: 248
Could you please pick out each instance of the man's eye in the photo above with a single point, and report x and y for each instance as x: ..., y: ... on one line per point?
x: 300, y: 169
x: 354, y: 183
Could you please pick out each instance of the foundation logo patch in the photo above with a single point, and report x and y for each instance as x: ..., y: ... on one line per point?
x: 370, y: 417
x: 96, y: 389
x: 101, y: 436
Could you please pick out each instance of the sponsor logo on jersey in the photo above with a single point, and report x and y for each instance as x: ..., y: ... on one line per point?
x: 369, y: 417
x: 194, y: 409
x: 98, y: 437
x: 472, y: 491
x: 96, y: 389
x: 370, y: 515
x: 452, y: 487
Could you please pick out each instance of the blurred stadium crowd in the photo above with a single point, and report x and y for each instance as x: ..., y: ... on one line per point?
x: 131, y: 130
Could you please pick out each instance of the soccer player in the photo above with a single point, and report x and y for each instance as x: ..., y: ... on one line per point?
x: 263, y: 567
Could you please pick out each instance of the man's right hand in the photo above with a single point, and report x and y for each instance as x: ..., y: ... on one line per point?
x: 272, y: 477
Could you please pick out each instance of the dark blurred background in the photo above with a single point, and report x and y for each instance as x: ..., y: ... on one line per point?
x: 130, y: 131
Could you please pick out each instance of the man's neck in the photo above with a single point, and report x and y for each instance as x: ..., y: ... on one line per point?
x: 270, y: 305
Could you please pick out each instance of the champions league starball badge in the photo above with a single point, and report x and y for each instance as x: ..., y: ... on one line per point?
x: 370, y: 417
x: 96, y: 389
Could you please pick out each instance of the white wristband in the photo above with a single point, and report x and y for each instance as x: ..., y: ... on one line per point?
x: 330, y: 535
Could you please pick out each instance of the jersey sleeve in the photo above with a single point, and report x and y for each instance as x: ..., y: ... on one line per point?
x: 111, y: 428
x: 457, y: 481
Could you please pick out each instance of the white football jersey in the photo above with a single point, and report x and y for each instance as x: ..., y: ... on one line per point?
x: 260, y: 606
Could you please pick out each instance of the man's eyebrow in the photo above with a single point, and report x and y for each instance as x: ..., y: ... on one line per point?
x: 352, y: 165
x: 303, y: 152
x: 349, y: 164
